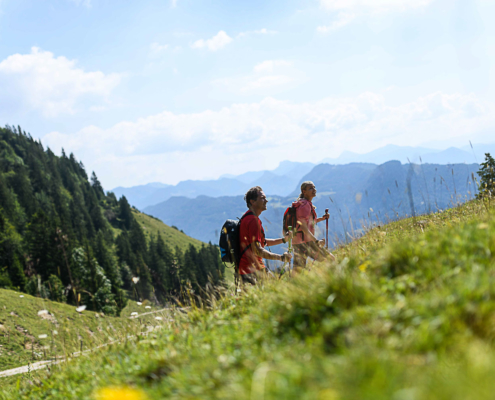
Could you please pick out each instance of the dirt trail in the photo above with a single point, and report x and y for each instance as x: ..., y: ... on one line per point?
x: 46, y: 363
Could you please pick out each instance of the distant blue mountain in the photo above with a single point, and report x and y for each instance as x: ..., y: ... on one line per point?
x: 357, y: 195
x: 286, y: 178
x: 280, y: 181
x: 406, y: 154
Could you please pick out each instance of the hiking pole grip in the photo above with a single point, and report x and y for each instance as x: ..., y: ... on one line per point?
x: 326, y: 212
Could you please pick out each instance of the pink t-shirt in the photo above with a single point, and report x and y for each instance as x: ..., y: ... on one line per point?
x: 305, y: 211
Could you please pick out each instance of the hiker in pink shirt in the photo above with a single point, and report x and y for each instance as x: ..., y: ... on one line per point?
x: 305, y: 243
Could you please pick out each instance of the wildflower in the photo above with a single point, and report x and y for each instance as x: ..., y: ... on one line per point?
x: 139, y: 303
x: 158, y: 318
x: 80, y: 309
x: 133, y: 313
x: 364, y: 266
x: 43, y: 336
x: 135, y: 279
x: 21, y: 296
x: 55, y: 332
x: 120, y: 393
x: 42, y: 312
x: 147, y: 307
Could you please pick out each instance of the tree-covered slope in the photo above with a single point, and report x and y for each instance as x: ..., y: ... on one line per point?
x: 63, y: 238
x: 171, y: 235
x: 406, y: 312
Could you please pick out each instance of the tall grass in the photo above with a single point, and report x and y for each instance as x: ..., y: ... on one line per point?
x: 406, y: 312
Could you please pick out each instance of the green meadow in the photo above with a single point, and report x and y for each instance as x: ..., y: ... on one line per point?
x: 406, y: 312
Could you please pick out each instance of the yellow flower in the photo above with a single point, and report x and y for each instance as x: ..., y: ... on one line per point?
x: 363, y: 266
x: 120, y: 393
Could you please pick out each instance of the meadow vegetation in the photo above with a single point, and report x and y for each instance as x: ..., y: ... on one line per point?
x: 35, y: 329
x: 406, y: 312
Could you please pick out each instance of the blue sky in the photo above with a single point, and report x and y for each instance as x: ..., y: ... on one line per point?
x: 167, y: 90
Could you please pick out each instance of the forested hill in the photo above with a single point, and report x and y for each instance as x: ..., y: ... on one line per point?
x: 63, y: 238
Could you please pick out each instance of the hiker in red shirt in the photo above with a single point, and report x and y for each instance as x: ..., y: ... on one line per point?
x: 305, y: 243
x: 252, y: 238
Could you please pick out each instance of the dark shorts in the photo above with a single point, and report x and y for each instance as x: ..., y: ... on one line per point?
x: 309, y: 249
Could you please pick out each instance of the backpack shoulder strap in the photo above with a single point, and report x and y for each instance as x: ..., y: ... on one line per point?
x: 246, y: 215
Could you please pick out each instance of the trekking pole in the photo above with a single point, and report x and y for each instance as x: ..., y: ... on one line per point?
x: 289, y: 249
x: 326, y: 212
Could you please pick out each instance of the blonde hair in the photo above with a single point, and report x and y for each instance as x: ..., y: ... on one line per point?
x: 304, y: 185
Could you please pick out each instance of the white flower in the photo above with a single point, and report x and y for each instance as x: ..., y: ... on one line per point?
x: 139, y: 303
x: 21, y: 296
x: 158, y: 318
x: 147, y: 307
x: 42, y: 312
x: 55, y: 332
x: 133, y: 313
x: 135, y: 279
x: 80, y: 308
x: 43, y: 336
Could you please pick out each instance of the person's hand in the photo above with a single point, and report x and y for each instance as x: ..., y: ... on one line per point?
x: 289, y: 236
x: 326, y: 216
x: 286, y: 257
x: 321, y: 243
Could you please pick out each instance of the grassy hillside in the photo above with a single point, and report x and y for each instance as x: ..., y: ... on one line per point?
x: 406, y: 312
x: 24, y: 320
x: 171, y: 236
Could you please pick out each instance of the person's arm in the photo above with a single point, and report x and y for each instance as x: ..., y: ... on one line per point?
x: 261, y: 252
x: 307, y: 233
x: 323, y: 218
x: 274, y: 242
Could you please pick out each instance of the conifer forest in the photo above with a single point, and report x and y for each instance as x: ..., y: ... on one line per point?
x: 63, y: 238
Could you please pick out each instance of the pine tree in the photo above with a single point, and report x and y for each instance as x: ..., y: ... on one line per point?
x: 16, y: 274
x: 125, y: 213
x: 160, y: 262
x: 487, y: 177
x: 107, y: 260
x: 98, y: 189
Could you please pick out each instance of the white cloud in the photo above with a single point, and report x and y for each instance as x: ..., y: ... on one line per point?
x: 173, y: 3
x: 349, y: 10
x: 373, y: 5
x: 170, y: 146
x: 85, y: 3
x: 156, y: 49
x: 262, y: 31
x: 269, y: 65
x: 267, y: 75
x: 343, y: 19
x: 217, y: 42
x: 52, y: 85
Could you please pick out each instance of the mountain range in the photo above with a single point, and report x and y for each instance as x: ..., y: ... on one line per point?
x: 357, y: 195
x: 279, y: 181
x: 282, y: 180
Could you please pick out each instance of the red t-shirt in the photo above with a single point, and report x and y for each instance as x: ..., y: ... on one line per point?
x: 251, y: 231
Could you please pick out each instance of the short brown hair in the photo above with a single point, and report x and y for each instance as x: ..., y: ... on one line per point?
x: 252, y: 194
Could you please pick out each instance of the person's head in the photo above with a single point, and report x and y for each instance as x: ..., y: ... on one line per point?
x: 256, y: 199
x: 308, y: 190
